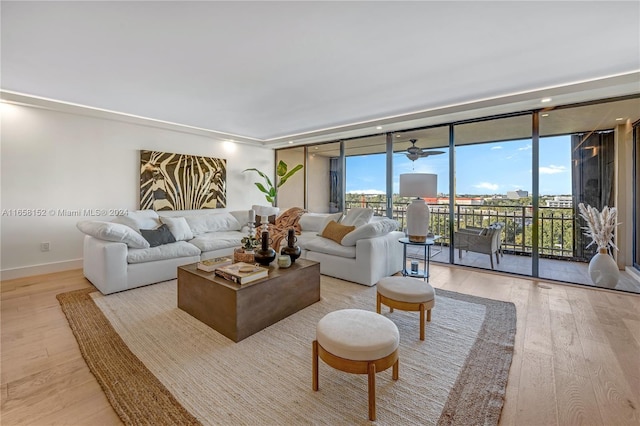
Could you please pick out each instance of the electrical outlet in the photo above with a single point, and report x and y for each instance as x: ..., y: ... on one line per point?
x: 45, y: 246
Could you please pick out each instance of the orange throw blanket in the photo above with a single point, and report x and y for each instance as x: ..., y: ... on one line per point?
x: 278, y: 231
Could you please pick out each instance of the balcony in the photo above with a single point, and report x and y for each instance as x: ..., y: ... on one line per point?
x: 562, y: 257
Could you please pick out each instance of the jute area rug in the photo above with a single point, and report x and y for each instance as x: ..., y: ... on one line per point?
x: 158, y: 365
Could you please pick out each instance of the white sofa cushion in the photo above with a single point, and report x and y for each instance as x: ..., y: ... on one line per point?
x: 212, y: 222
x: 140, y: 219
x: 369, y: 230
x: 316, y: 222
x: 242, y: 216
x: 178, y: 227
x: 357, y: 217
x: 162, y: 252
x: 217, y: 240
x: 110, y: 231
x: 327, y: 246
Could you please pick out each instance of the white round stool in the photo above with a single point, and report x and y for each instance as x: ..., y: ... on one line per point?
x: 358, y: 342
x: 407, y: 294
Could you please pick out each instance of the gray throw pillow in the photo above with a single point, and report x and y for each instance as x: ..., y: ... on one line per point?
x: 160, y: 235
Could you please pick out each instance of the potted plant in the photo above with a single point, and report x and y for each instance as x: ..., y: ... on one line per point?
x: 603, y: 269
x: 270, y: 190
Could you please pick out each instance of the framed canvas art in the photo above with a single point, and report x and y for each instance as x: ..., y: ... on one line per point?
x: 181, y: 182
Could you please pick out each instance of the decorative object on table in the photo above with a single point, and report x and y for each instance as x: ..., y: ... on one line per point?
x: 603, y: 269
x: 265, y: 215
x: 287, y: 220
x: 181, y: 182
x: 284, y: 261
x: 242, y: 255
x: 265, y: 254
x: 291, y: 249
x: 270, y: 190
x: 242, y: 272
x: 250, y: 242
x: 418, y: 185
x: 251, y: 223
x: 210, y: 265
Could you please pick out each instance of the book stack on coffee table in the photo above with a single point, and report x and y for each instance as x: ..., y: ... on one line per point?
x: 241, y: 272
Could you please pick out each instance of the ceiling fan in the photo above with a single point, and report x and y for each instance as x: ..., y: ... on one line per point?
x: 414, y: 152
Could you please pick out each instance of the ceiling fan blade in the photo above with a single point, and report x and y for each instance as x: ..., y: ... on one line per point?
x: 428, y: 153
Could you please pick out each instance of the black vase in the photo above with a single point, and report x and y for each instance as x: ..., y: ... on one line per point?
x: 292, y: 250
x: 265, y: 254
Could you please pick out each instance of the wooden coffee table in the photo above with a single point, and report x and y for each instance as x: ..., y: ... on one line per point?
x: 238, y: 311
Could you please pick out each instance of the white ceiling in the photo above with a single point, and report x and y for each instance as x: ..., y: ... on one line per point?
x: 271, y: 72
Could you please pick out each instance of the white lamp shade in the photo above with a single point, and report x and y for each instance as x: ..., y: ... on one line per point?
x: 418, y: 185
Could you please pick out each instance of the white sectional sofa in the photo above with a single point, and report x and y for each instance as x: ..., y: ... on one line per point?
x: 117, y: 257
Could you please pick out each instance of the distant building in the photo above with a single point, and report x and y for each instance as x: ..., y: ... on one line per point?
x: 560, y: 202
x: 515, y: 195
x: 460, y: 201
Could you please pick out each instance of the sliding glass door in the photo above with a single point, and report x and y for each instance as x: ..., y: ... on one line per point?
x: 493, y: 209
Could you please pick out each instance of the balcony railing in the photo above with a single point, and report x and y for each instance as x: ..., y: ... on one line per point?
x: 556, y: 226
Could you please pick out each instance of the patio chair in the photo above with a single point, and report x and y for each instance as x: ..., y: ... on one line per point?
x: 480, y: 240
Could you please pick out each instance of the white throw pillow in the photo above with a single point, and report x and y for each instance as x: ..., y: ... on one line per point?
x: 336, y: 217
x: 140, y: 219
x: 110, y: 231
x: 357, y: 217
x: 369, y: 230
x: 178, y: 227
x: 212, y: 222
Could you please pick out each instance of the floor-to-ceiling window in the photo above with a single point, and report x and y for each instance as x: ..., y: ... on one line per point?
x: 524, y: 172
x: 366, y: 173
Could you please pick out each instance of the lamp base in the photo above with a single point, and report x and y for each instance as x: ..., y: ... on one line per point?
x: 418, y: 221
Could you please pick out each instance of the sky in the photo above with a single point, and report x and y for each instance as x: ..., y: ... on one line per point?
x: 481, y: 169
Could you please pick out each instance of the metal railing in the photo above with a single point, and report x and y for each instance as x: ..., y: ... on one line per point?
x: 556, y: 226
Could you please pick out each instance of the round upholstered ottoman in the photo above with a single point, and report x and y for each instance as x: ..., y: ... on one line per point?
x: 406, y: 294
x: 358, y: 342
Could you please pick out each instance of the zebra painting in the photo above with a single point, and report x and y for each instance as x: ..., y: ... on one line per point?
x: 182, y: 182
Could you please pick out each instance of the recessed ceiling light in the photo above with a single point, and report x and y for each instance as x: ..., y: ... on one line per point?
x: 379, y: 127
x: 315, y: 147
x: 545, y: 100
x: 397, y: 136
x: 619, y: 119
x: 545, y: 115
x: 290, y: 141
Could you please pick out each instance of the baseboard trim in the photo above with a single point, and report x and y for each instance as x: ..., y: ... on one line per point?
x: 44, y: 268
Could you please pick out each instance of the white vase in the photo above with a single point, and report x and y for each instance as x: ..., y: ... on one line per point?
x: 603, y: 269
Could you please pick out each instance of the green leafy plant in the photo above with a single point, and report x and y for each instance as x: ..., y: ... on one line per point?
x: 250, y: 242
x: 270, y: 190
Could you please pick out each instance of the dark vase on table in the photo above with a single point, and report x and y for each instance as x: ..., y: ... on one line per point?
x: 292, y: 250
x: 265, y: 254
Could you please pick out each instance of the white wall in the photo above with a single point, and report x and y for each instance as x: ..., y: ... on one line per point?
x: 54, y: 160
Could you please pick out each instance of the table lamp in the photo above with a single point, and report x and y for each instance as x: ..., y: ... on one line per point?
x: 420, y: 185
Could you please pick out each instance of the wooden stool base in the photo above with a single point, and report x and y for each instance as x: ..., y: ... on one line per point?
x: 356, y: 367
x: 422, y: 307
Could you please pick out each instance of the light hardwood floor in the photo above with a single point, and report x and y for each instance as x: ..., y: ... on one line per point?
x: 576, y: 360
